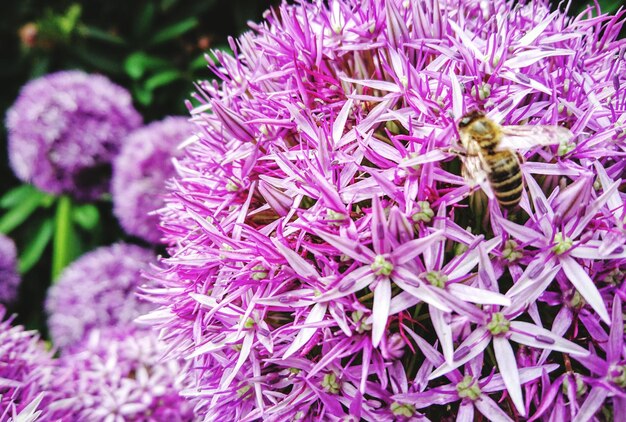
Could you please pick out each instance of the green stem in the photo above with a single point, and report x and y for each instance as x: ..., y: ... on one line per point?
x: 61, y: 251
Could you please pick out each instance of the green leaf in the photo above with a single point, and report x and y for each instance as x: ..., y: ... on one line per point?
x: 606, y: 6
x: 609, y: 6
x: 86, y: 216
x: 161, y: 79
x: 65, y: 241
x: 67, y: 23
x: 139, y: 62
x: 98, y: 59
x: 144, y: 21
x: 36, y: 246
x: 98, y: 34
x: 167, y: 4
x: 175, y: 30
x: 142, y: 95
x: 20, y: 212
x: 16, y: 195
x: 41, y: 66
x: 198, y: 63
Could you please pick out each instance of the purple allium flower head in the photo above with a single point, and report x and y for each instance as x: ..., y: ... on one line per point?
x: 140, y: 172
x: 9, y: 278
x: 64, y: 130
x: 97, y: 290
x: 328, y: 258
x: 117, y: 373
x: 25, y: 368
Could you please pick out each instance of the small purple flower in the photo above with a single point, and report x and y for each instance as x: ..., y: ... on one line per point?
x: 25, y: 368
x: 97, y: 290
x: 9, y: 278
x: 64, y: 130
x: 140, y: 172
x: 120, y: 374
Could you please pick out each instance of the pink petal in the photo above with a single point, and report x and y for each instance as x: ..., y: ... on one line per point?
x: 302, y: 123
x: 591, y: 250
x: 443, y: 329
x: 538, y: 30
x: 531, y: 57
x: 592, y: 403
x: 466, y: 42
x: 353, y: 282
x: 594, y: 208
x: 523, y: 233
x: 465, y: 263
x: 430, y: 157
x: 615, y: 203
x: 381, y: 85
x: 525, y: 375
x: 275, y: 198
x: 246, y: 346
x: 491, y: 410
x: 264, y: 337
x: 471, y: 347
x: 432, y: 355
x: 543, y: 212
x: 616, y: 336
x: 300, y: 265
x: 466, y: 412
x: 422, y: 293
x: 379, y: 227
x: 562, y: 322
x: 535, y: 336
x: 402, y: 301
x: 380, y: 310
x: 508, y: 369
x: 409, y: 250
x: 476, y: 295
x: 526, y: 291
x: 585, y: 286
x: 457, y: 95
x: 337, y: 312
x: 315, y: 315
x: 340, y: 122
x: 347, y: 246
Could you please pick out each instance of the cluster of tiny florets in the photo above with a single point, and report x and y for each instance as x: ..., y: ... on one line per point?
x: 119, y: 374
x: 64, y: 130
x: 140, y: 172
x: 25, y: 368
x: 97, y: 290
x: 9, y: 278
x: 329, y: 259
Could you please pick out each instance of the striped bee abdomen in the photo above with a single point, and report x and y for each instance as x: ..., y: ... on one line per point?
x: 505, y: 177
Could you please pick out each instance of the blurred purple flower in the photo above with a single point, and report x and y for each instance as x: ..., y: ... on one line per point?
x: 317, y: 226
x: 64, y: 130
x: 97, y: 290
x: 140, y: 172
x: 119, y: 374
x: 9, y: 278
x: 25, y: 368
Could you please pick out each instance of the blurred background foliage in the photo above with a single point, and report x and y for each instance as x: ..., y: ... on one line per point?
x: 153, y: 48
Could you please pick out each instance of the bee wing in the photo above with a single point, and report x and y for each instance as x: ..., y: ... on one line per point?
x: 530, y: 136
x: 474, y: 170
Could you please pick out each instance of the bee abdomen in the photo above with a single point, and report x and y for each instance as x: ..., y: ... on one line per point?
x: 506, y: 179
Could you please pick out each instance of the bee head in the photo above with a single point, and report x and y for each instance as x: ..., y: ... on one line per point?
x: 470, y: 117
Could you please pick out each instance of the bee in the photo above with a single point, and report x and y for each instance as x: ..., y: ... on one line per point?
x: 490, y: 153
